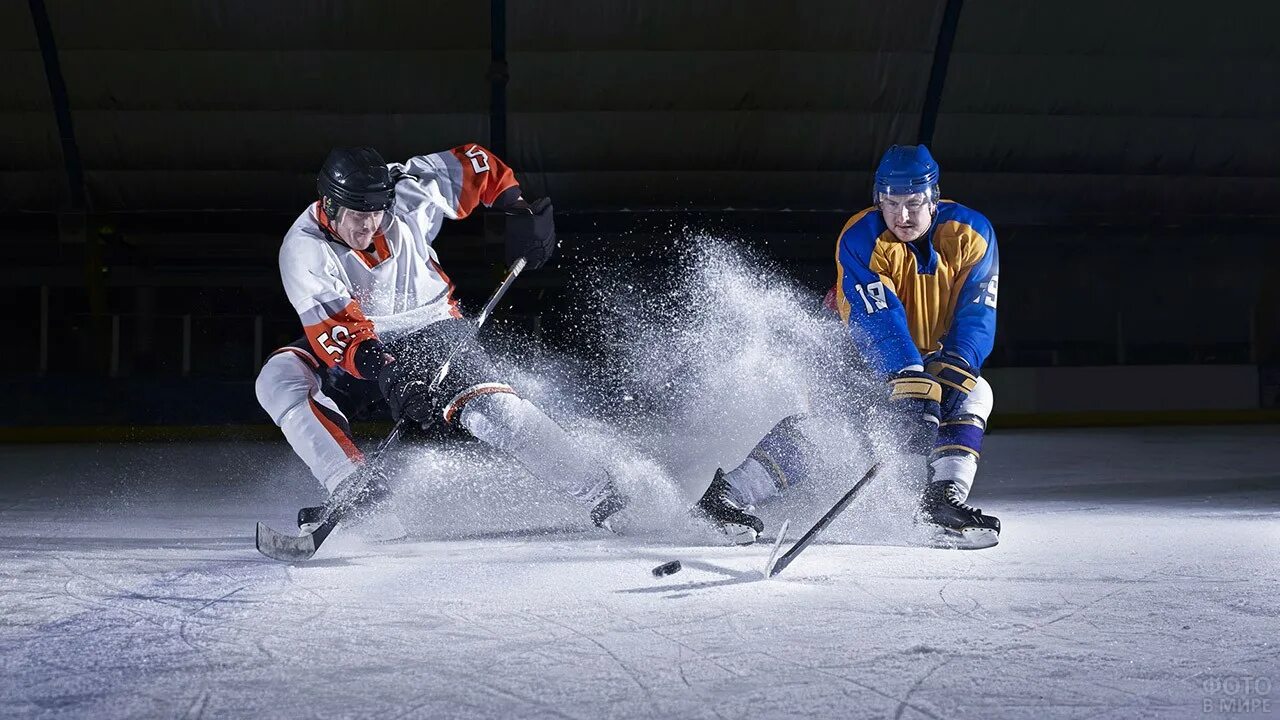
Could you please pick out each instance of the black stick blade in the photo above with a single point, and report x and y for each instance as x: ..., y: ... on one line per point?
x: 285, y: 548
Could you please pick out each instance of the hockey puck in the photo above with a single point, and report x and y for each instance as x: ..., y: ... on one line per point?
x: 669, y: 568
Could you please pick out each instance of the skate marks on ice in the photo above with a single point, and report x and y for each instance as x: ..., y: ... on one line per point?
x: 552, y: 627
x: 113, y: 636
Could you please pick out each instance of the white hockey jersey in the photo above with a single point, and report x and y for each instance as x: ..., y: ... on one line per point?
x: 345, y: 297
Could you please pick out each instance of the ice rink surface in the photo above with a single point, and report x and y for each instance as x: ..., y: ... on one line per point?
x: 1138, y: 576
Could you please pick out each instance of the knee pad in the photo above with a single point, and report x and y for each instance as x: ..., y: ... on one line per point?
x: 980, y: 401
x: 497, y: 417
x: 962, y: 433
x: 955, y: 455
x: 285, y: 380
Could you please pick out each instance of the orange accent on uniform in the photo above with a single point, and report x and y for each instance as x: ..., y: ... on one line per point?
x: 341, y: 437
x: 300, y: 353
x: 381, y: 252
x: 334, y: 340
x: 453, y: 302
x: 456, y: 406
x: 484, y: 178
x: 371, y: 258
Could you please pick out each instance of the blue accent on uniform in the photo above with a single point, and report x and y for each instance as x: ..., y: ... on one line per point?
x: 782, y: 453
x: 972, y: 334
x: 906, y: 169
x: 926, y: 256
x: 965, y: 434
x: 881, y: 337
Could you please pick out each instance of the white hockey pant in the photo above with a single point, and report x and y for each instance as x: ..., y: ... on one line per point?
x: 516, y: 426
x: 289, y: 390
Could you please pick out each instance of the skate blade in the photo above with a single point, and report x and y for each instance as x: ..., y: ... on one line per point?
x: 739, y: 534
x: 621, y: 523
x: 964, y: 539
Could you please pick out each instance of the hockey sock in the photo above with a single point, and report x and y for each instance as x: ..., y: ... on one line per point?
x: 955, y: 455
x: 777, y: 462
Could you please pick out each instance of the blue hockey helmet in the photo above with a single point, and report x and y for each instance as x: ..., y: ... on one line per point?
x: 904, y: 170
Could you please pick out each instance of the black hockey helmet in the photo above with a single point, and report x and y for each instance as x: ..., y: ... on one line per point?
x: 357, y: 179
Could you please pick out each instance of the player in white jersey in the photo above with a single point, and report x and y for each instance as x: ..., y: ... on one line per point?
x: 379, y: 319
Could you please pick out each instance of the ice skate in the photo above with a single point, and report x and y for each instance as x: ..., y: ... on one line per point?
x: 954, y: 523
x: 310, y: 518
x: 717, y: 508
x: 379, y: 527
x: 605, y: 512
x: 362, y: 500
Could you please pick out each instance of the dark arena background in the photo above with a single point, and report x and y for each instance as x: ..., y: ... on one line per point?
x: 703, y: 158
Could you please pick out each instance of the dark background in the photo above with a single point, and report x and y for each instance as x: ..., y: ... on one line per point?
x: 155, y: 151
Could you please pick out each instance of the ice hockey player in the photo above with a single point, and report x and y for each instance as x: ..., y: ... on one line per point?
x: 916, y: 283
x: 379, y: 319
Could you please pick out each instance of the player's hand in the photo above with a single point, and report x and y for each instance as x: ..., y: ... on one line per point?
x: 914, y: 411
x: 372, y: 359
x: 408, y: 397
x: 531, y: 231
x: 956, y: 377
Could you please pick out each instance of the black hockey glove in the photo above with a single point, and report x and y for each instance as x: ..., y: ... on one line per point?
x: 407, y: 394
x: 913, y: 406
x: 956, y: 377
x: 531, y: 231
x: 371, y: 358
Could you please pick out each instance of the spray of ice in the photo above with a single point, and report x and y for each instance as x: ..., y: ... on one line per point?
x: 675, y: 372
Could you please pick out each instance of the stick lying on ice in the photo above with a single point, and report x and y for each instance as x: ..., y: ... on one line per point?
x: 807, y: 539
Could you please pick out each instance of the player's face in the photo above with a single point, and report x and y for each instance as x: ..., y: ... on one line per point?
x: 908, y: 216
x: 357, y: 228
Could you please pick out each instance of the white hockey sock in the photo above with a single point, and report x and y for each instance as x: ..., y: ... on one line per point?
x: 959, y: 469
x: 751, y: 483
x: 517, y: 426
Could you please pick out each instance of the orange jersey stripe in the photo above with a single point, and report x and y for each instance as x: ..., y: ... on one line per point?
x: 334, y: 339
x: 484, y: 178
x: 339, y: 435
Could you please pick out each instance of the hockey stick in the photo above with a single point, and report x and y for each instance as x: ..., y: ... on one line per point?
x: 296, y: 548
x: 516, y: 267
x: 807, y: 539
x: 773, y: 554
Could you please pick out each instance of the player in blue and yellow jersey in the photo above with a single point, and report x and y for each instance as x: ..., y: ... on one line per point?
x: 916, y: 283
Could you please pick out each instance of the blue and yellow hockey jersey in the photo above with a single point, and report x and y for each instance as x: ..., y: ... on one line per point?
x: 904, y: 300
